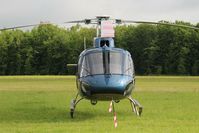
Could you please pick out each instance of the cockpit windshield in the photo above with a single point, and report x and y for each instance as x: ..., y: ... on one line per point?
x: 107, y: 62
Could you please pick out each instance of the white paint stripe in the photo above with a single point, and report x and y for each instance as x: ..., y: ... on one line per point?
x: 110, y: 107
x: 110, y: 110
x: 115, y: 120
x: 115, y: 124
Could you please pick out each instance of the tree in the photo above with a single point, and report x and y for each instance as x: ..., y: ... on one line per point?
x: 46, y: 49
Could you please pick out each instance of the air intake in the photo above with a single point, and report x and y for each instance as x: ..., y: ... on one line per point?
x: 101, y: 42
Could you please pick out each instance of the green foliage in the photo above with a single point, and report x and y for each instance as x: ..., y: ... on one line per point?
x: 46, y: 49
x: 161, y: 49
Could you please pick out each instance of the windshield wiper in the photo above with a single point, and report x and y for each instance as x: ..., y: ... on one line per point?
x: 127, y: 69
x: 87, y: 70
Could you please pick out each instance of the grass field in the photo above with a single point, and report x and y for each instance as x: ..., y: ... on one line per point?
x: 40, y: 104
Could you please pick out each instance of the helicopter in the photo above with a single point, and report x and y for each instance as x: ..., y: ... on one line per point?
x: 104, y: 72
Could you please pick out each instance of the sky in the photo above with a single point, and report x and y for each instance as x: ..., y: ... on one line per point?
x: 22, y: 12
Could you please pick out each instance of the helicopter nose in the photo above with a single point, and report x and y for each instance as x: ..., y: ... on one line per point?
x: 106, y: 79
x: 112, y: 84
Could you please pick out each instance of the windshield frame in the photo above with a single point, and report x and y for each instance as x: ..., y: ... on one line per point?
x: 106, y: 63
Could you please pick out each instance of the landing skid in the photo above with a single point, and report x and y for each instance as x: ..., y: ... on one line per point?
x: 136, y: 106
x: 73, y: 104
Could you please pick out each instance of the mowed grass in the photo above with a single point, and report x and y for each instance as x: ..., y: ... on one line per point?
x: 40, y: 104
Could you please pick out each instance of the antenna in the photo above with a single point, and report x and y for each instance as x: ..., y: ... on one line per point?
x: 84, y: 42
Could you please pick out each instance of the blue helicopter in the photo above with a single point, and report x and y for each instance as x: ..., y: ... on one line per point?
x: 104, y: 72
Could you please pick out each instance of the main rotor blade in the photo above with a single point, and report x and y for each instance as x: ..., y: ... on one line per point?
x: 160, y: 23
x: 18, y: 27
x: 78, y: 21
x: 23, y: 26
x: 86, y: 21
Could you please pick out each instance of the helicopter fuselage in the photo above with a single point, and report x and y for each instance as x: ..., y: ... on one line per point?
x: 105, y: 73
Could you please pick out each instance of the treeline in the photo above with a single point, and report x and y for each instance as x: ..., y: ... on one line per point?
x: 46, y: 49
x: 161, y: 49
